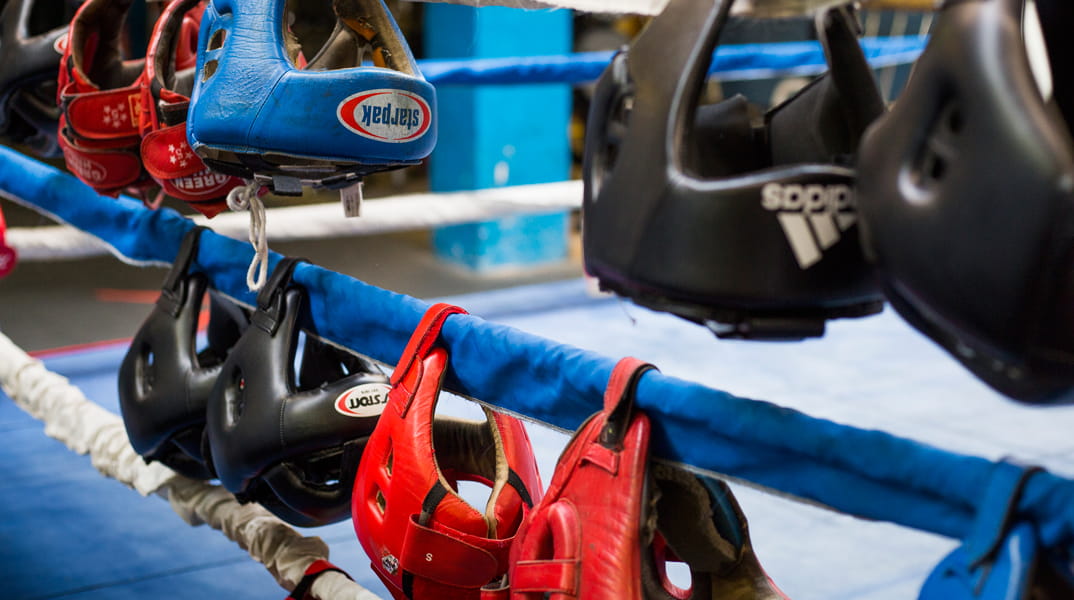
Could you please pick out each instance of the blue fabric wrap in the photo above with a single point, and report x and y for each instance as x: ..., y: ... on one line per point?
x: 870, y: 474
x: 737, y: 62
x: 256, y: 101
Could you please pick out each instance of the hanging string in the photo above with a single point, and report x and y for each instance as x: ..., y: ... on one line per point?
x: 247, y: 198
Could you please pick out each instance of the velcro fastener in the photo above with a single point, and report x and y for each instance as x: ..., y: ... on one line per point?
x: 104, y: 115
x: 556, y: 576
x: 438, y: 556
x: 107, y: 170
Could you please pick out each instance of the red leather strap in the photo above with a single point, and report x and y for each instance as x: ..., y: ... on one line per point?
x: 424, y: 336
x: 107, y: 170
x: 448, y: 558
x: 315, y: 570
x: 557, y: 576
x: 622, y: 381
x: 103, y: 115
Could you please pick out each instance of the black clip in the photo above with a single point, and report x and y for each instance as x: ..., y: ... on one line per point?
x: 171, y: 292
x: 270, y: 298
x: 620, y: 417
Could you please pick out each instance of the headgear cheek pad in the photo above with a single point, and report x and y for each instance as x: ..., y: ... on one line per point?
x: 31, y: 33
x: 165, y: 91
x: 253, y: 108
x: 967, y: 198
x: 743, y: 223
x: 424, y: 540
x: 164, y: 382
x: 291, y: 445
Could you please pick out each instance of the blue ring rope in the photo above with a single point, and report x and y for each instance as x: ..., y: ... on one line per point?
x: 870, y: 474
x: 731, y: 62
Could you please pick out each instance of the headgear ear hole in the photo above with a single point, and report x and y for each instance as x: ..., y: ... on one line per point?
x: 217, y: 40
x: 235, y: 397
x: 209, y: 70
x: 382, y: 504
x: 675, y: 575
x: 145, y: 373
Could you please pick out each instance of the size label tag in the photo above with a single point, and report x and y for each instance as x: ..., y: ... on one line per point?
x: 352, y: 200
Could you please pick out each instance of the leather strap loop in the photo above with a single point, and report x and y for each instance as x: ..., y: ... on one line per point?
x: 619, y: 400
x: 171, y: 291
x: 420, y: 344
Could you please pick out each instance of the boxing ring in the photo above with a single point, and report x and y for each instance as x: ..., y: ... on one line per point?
x: 870, y: 374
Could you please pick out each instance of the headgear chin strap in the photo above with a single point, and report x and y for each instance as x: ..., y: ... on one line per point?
x: 253, y: 108
x: 291, y: 445
x: 164, y: 99
x: 164, y: 381
x: 742, y: 222
x: 30, y: 51
x: 611, y: 520
x: 425, y: 541
x: 967, y: 198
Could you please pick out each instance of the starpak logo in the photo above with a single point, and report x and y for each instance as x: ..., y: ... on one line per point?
x: 387, y: 115
x: 60, y: 45
x: 366, y: 400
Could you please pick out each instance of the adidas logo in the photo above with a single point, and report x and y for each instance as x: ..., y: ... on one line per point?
x: 813, y: 216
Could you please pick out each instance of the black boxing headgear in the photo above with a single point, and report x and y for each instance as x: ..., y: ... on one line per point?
x: 291, y: 444
x: 740, y: 221
x: 967, y: 198
x: 164, y: 381
x: 31, y: 36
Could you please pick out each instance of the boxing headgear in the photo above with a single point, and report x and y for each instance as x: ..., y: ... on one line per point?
x: 164, y: 382
x: 30, y: 51
x: 253, y: 108
x: 164, y: 101
x: 611, y: 520
x: 743, y: 223
x: 292, y: 445
x: 967, y: 198
x: 424, y: 540
x: 99, y: 98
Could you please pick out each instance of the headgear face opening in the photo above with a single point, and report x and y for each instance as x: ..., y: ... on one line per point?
x: 742, y: 223
x: 967, y: 198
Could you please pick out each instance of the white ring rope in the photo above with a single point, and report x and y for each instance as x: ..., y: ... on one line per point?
x: 86, y: 428
x: 321, y: 221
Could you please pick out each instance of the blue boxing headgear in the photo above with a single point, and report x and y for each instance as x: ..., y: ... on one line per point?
x: 255, y: 113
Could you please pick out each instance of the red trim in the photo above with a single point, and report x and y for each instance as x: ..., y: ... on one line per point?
x: 76, y: 348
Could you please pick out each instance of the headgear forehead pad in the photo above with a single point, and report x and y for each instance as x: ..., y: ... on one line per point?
x: 967, y: 198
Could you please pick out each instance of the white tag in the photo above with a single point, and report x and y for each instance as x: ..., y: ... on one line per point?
x: 352, y: 200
